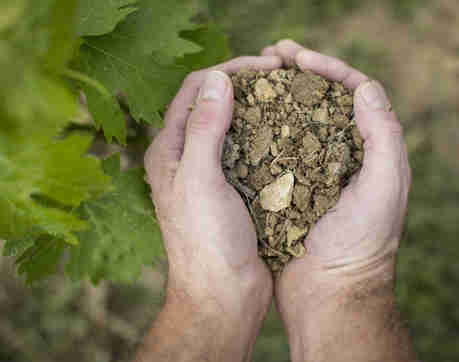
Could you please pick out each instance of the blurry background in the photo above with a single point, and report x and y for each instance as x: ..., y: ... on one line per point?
x: 412, y: 46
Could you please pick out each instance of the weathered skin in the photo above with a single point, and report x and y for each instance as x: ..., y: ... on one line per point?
x: 218, y: 289
x: 337, y: 303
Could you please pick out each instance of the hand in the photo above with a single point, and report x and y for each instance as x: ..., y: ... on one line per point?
x: 208, y: 233
x: 358, y: 239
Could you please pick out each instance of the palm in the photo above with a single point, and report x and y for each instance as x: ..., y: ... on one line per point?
x: 223, y: 234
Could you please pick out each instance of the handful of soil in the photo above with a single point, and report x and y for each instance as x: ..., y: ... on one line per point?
x: 292, y: 146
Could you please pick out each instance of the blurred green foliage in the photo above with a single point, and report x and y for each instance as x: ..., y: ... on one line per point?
x: 256, y: 23
x: 428, y: 271
x: 406, y: 8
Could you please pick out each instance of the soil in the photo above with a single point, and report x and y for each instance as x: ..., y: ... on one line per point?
x: 292, y: 146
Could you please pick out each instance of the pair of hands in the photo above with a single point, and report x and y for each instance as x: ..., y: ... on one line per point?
x: 209, y: 236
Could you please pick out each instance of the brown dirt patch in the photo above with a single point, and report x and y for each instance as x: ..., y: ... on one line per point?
x: 292, y: 146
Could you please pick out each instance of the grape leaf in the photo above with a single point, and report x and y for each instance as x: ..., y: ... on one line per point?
x: 54, y: 198
x: 137, y: 60
x: 100, y: 17
x: 54, y: 171
x: 42, y: 178
x: 154, y: 28
x: 215, y: 46
x: 123, y: 234
x: 146, y: 83
x: 42, y: 259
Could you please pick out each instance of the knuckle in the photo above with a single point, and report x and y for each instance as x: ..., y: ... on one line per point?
x: 285, y: 43
x: 157, y: 162
x: 161, y: 185
x: 193, y: 78
x: 151, y: 155
x: 159, y: 195
x: 203, y: 119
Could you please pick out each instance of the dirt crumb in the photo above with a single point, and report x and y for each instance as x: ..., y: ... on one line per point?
x: 292, y: 146
x: 309, y: 89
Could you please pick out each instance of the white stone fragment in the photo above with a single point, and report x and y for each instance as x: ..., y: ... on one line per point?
x: 278, y: 195
x: 264, y: 91
x: 285, y: 131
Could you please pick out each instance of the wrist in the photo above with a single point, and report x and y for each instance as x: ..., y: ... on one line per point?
x: 306, y: 289
x: 232, y: 295
x: 345, y: 318
x: 225, y: 328
x: 314, y: 280
x: 232, y: 291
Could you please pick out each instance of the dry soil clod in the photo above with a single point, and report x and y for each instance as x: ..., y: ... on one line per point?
x: 292, y: 146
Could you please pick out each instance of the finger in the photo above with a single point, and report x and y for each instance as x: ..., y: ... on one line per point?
x: 270, y: 50
x: 161, y: 162
x: 329, y: 67
x: 288, y: 49
x: 180, y: 108
x: 206, y: 128
x: 385, y: 170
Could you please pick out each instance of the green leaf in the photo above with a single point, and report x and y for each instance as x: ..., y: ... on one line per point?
x: 56, y: 199
x: 62, y: 37
x: 57, y: 172
x: 147, y: 85
x: 137, y: 60
x: 215, y: 46
x: 155, y: 28
x: 35, y: 105
x: 123, y: 234
x: 100, y: 17
x: 42, y: 259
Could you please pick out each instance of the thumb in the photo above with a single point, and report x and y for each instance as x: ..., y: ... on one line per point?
x: 385, y: 166
x: 207, y: 126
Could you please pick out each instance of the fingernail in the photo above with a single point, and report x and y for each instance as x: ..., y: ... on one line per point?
x: 214, y: 86
x: 374, y: 96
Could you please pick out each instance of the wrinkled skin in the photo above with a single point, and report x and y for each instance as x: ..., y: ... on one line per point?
x: 211, y: 241
x: 361, y: 234
x: 208, y: 233
x: 354, y: 245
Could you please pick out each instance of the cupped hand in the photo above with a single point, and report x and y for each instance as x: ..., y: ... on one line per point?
x: 208, y: 233
x: 358, y: 239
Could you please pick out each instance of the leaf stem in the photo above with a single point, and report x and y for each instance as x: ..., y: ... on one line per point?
x: 73, y: 74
